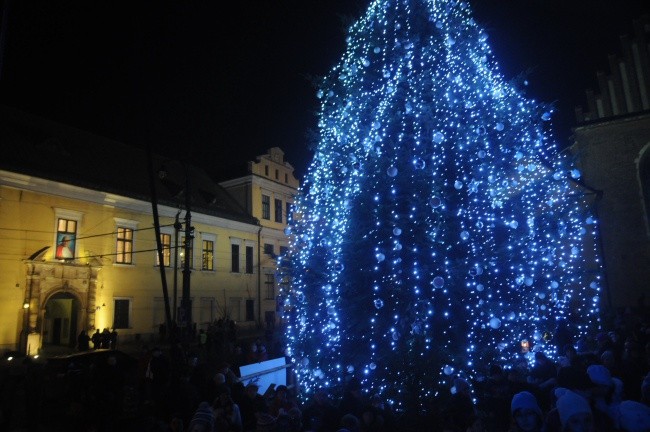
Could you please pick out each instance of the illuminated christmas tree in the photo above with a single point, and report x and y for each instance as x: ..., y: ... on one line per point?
x: 438, y: 229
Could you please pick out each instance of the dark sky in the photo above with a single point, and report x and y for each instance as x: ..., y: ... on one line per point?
x: 221, y: 82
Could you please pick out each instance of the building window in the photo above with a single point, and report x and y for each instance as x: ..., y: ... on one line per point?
x: 166, y: 243
x: 124, y: 250
x: 121, y: 313
x: 283, y: 251
x: 233, y: 311
x: 207, y: 255
x: 270, y: 286
x: 277, y: 174
x: 286, y: 178
x: 266, y: 207
x: 266, y: 170
x: 234, y: 254
x: 289, y: 215
x: 278, y: 210
x: 66, y: 238
x: 268, y: 249
x: 181, y: 253
x: 249, y: 259
x: 250, y: 310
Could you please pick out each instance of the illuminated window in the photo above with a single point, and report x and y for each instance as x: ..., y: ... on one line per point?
x: 266, y: 207
x: 124, y: 249
x: 66, y: 236
x: 207, y: 255
x: 278, y: 210
x: 166, y: 242
x: 181, y: 252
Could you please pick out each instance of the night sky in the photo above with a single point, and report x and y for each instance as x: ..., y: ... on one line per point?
x: 219, y: 83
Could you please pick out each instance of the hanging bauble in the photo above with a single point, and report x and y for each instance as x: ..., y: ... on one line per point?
x: 499, y: 127
x: 350, y: 369
x: 438, y: 137
x: 397, y: 231
x: 438, y: 282
x: 419, y: 163
x: 392, y: 171
x: 435, y: 202
x: 448, y: 370
x: 464, y: 235
x: 495, y: 322
x: 458, y: 184
x: 380, y: 257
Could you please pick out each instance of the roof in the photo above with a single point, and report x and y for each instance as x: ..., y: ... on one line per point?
x: 42, y: 148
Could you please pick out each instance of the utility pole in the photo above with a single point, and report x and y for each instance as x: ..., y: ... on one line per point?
x: 177, y: 228
x: 186, y: 304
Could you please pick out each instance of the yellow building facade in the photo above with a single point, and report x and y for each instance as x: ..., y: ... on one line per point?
x: 80, y: 251
x: 267, y: 193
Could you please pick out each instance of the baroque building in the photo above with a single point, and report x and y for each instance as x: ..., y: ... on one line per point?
x: 79, y: 244
x: 612, y: 149
x: 267, y: 192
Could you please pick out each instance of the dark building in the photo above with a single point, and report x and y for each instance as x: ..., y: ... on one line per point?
x: 612, y: 149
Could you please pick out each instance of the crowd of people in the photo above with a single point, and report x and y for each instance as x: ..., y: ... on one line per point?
x: 593, y: 386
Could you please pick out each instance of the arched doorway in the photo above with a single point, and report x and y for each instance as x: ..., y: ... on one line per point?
x: 60, y: 320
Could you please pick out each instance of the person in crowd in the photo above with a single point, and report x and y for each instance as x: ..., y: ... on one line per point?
x: 227, y: 413
x: 281, y: 402
x: 83, y: 341
x: 320, y: 414
x: 633, y: 417
x: 603, y: 392
x: 350, y: 423
x: 574, y: 413
x: 459, y: 413
x: 526, y: 413
x: 113, y: 339
x: 203, y: 419
x: 97, y: 339
x: 105, y: 341
x: 251, y: 406
x: 353, y: 400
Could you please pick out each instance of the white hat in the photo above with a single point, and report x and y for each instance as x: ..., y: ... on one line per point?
x: 600, y: 375
x: 634, y: 417
x: 570, y: 404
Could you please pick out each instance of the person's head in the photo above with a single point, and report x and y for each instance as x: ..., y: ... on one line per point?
x: 350, y: 422
x: 251, y: 390
x: 575, y: 413
x: 634, y: 416
x: 219, y: 378
x: 526, y: 412
x: 601, y: 379
x: 570, y: 351
x: 320, y: 396
x: 65, y: 240
x: 203, y: 419
x: 281, y: 392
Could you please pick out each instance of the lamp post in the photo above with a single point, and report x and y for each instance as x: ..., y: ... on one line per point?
x: 186, y: 304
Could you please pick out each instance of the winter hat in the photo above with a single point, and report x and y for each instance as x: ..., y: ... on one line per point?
x: 570, y: 404
x: 203, y: 416
x: 219, y: 378
x: 525, y: 400
x: 265, y: 422
x: 599, y: 375
x: 634, y: 417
